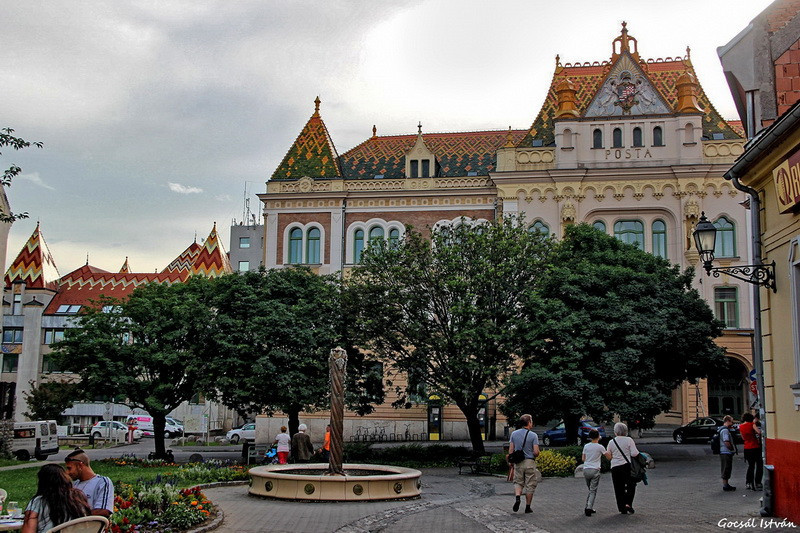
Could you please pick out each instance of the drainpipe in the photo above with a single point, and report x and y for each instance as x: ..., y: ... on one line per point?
x: 344, y: 238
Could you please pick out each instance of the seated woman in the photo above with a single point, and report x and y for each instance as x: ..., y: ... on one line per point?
x: 56, y: 501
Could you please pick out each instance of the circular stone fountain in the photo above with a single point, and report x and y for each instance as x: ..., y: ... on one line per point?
x: 335, y: 481
x: 359, y: 482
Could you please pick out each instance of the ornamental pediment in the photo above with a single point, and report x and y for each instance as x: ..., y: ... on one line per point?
x: 627, y: 91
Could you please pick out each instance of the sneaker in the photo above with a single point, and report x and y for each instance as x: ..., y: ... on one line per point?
x: 587, y: 512
x: 630, y: 509
x: 728, y: 488
x: 516, y: 506
x: 528, y: 509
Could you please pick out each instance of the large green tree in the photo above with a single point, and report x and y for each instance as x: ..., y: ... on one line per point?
x: 47, y: 400
x: 7, y: 138
x: 273, y: 333
x: 446, y: 310
x: 147, y: 349
x: 616, y: 330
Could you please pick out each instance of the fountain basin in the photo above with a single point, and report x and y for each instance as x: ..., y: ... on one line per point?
x: 377, y: 482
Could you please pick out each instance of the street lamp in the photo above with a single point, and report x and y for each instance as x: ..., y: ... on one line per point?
x: 705, y: 237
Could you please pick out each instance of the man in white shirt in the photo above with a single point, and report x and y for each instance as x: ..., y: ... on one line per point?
x: 99, y: 490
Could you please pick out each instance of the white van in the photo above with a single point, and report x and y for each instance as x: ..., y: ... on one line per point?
x: 145, y: 423
x: 35, y: 439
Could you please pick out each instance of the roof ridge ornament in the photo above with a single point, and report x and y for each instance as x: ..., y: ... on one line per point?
x: 317, y: 101
x: 624, y: 41
x: 374, y: 131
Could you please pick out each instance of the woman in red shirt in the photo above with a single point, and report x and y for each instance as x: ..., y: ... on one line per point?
x: 751, y: 434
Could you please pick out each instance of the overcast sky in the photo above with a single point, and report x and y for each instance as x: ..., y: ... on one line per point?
x: 157, y: 116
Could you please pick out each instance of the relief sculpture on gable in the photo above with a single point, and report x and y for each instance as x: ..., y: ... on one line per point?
x: 626, y: 91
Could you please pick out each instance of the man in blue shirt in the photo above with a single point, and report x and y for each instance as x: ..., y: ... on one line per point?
x: 525, y: 472
x: 727, y: 449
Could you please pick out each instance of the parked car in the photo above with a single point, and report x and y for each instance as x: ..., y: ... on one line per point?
x: 557, y: 435
x: 145, y: 423
x: 702, y: 429
x: 35, y: 439
x: 111, y: 429
x: 246, y: 432
x: 178, y: 424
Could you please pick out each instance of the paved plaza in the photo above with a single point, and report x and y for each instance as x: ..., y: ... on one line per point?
x: 684, y: 494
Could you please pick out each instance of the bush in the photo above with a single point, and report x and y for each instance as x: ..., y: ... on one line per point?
x: 408, y: 455
x: 552, y: 464
x: 576, y: 452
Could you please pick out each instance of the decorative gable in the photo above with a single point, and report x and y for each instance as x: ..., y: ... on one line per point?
x: 627, y: 91
x: 420, y: 161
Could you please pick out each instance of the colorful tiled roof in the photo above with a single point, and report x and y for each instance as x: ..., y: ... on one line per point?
x: 184, y: 262
x: 125, y: 267
x: 34, y: 264
x: 457, y: 154
x: 211, y: 261
x: 312, y: 154
x: 588, y: 78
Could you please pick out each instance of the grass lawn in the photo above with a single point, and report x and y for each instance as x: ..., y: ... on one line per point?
x: 11, y: 462
x: 21, y: 483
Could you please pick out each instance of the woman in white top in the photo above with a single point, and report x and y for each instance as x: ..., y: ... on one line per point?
x: 283, y: 440
x: 619, y: 448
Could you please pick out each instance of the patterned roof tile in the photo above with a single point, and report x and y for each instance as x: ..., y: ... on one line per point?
x: 312, y: 154
x: 34, y: 264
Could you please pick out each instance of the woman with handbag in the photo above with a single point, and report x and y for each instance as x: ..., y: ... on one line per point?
x: 620, y: 450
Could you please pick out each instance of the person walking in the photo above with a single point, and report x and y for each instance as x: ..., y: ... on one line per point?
x: 525, y: 473
x: 284, y: 441
x: 727, y: 449
x: 592, y: 456
x: 56, y: 501
x: 302, y: 449
x: 620, y: 450
x: 99, y: 490
x: 751, y: 435
x: 325, y: 451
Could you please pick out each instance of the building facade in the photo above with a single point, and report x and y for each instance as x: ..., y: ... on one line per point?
x: 632, y: 146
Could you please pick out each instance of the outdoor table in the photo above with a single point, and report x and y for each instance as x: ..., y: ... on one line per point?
x: 10, y: 524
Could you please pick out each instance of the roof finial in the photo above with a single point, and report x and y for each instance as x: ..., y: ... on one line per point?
x: 317, y: 101
x: 419, y: 128
x: 688, y: 53
x: 374, y: 131
x: 624, y: 44
x: 195, y: 236
x: 87, y: 258
x: 509, y: 139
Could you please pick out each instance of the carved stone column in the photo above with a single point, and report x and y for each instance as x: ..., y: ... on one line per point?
x: 338, y: 369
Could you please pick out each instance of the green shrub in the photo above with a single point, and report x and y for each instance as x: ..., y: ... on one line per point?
x: 408, y: 455
x: 576, y: 452
x: 552, y: 464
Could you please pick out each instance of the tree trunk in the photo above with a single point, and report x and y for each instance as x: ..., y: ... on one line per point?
x: 474, y: 427
x: 159, y: 421
x: 293, y: 414
x: 571, y: 422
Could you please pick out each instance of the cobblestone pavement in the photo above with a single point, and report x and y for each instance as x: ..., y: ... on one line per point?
x: 684, y: 494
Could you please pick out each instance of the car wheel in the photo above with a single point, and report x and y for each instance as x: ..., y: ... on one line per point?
x: 235, y: 439
x: 23, y: 455
x: 679, y: 438
x: 546, y: 440
x: 167, y: 435
x: 41, y: 457
x: 96, y: 435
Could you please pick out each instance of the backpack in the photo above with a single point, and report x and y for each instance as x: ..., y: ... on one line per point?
x: 715, y: 444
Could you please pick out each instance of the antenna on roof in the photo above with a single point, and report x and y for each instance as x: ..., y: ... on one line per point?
x: 87, y: 258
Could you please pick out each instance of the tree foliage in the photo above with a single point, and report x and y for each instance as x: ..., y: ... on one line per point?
x: 8, y: 139
x: 446, y: 311
x: 273, y: 333
x: 617, y: 329
x: 47, y: 400
x: 148, y: 348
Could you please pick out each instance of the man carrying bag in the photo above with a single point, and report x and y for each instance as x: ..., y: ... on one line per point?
x: 523, y: 448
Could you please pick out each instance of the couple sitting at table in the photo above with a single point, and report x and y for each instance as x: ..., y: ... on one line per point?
x: 58, y: 500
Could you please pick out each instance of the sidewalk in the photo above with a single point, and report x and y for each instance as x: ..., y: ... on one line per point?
x: 684, y: 494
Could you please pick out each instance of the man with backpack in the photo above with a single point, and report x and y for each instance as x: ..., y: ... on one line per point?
x: 727, y: 449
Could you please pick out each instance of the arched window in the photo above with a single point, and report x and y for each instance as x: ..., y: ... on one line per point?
x: 658, y: 136
x: 394, y: 237
x: 567, y: 139
x: 726, y: 238
x: 630, y: 231
x: 597, y: 138
x: 312, y: 246
x: 660, y: 238
x: 617, y: 138
x: 540, y: 227
x: 688, y: 136
x: 358, y: 245
x: 375, y: 234
x: 599, y: 225
x: 637, y: 137
x: 295, y: 246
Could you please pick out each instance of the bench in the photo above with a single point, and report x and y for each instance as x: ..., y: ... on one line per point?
x: 257, y: 453
x: 478, y: 464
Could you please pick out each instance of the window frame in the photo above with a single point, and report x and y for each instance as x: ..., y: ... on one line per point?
x: 721, y: 306
x: 295, y: 252
x: 246, y: 264
x: 617, y: 138
x: 654, y: 233
x: 597, y: 138
x: 15, y: 335
x: 725, y: 233
x: 658, y: 136
x: 244, y: 242
x: 638, y: 137
x: 618, y: 233
x: 317, y: 255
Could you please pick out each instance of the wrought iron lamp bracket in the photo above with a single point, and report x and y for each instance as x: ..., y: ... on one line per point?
x: 762, y: 275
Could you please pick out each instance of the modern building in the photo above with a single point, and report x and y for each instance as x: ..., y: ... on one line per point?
x: 39, y: 304
x: 762, y: 64
x: 628, y: 144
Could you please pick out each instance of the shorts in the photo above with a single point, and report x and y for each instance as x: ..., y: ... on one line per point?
x: 726, y: 464
x: 525, y: 475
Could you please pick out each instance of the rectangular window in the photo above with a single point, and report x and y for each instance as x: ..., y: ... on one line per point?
x: 16, y: 309
x: 726, y: 306
x: 244, y: 242
x: 414, y: 172
x: 244, y: 266
x: 426, y: 168
x: 52, y: 335
x: 10, y: 362
x: 49, y: 365
x: 68, y: 309
x: 12, y: 336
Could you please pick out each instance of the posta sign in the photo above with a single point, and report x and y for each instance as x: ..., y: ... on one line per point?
x: 787, y: 182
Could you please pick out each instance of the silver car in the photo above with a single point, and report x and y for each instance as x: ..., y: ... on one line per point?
x: 246, y: 432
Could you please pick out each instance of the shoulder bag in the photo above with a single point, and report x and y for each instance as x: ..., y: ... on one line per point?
x: 638, y: 465
x: 517, y: 456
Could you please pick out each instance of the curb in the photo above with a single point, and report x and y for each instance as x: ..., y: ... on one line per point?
x: 220, y: 518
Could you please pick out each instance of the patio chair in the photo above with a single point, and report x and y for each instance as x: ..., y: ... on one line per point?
x: 85, y: 524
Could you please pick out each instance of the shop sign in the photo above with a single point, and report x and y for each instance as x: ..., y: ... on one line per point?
x: 787, y: 182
